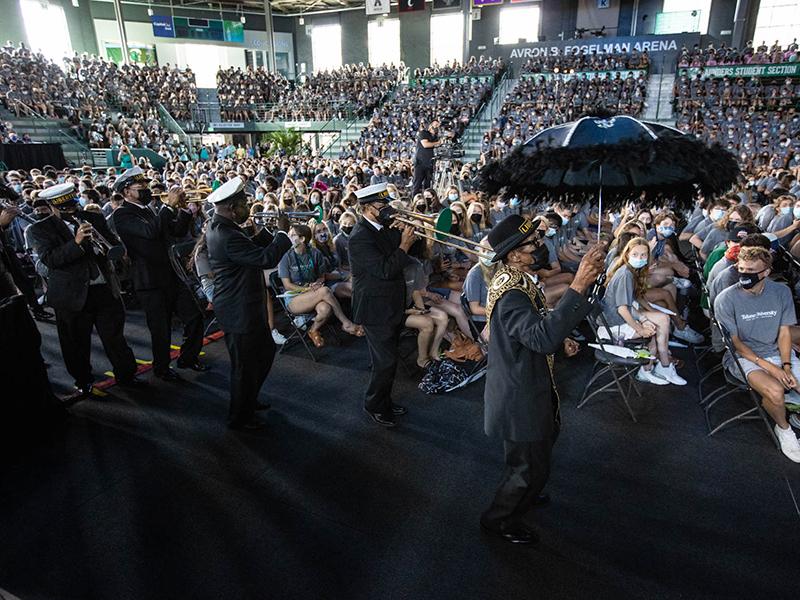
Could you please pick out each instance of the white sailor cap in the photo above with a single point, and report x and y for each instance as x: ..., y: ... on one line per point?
x: 59, y: 195
x: 227, y: 191
x: 373, y: 193
x: 129, y: 177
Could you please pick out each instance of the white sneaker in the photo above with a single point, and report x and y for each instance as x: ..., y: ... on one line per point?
x: 669, y: 373
x: 681, y: 283
x: 650, y: 377
x: 789, y: 444
x: 278, y: 338
x: 687, y: 334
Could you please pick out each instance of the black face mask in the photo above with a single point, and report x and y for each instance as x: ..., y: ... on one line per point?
x: 39, y: 216
x: 336, y: 216
x: 750, y: 280
x: 540, y: 255
x: 476, y: 218
x: 421, y: 208
x: 145, y: 196
x: 347, y: 229
x: 455, y: 228
x: 732, y: 225
x: 385, y: 215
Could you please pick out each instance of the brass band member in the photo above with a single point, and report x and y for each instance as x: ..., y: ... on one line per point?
x: 147, y: 237
x: 82, y: 287
x: 240, y: 296
x: 521, y: 403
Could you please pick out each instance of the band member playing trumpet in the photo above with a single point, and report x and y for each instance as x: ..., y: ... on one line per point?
x: 378, y: 257
x: 238, y: 262
x: 82, y: 286
x: 147, y: 238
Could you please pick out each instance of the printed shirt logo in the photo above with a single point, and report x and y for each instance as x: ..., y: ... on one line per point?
x: 767, y: 314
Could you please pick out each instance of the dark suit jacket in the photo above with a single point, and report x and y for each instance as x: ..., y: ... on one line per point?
x: 518, y: 397
x: 68, y: 265
x: 147, y: 238
x: 376, y: 264
x: 238, y: 263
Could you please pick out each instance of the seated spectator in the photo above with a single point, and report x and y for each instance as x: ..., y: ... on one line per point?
x: 304, y: 272
x: 758, y: 312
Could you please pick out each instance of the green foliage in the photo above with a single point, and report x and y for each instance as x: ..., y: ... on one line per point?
x: 289, y: 141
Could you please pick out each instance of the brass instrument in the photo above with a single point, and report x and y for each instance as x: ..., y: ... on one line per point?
x: 194, y: 195
x: 295, y: 217
x: 101, y: 245
x: 20, y: 214
x: 437, y: 228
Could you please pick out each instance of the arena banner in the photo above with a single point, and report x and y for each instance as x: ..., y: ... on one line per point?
x: 662, y: 49
x: 720, y: 71
x: 624, y: 73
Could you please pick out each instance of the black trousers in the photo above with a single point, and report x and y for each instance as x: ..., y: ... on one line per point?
x: 159, y: 306
x: 423, y: 177
x: 382, y: 341
x: 251, y: 355
x: 527, y: 471
x: 107, y: 314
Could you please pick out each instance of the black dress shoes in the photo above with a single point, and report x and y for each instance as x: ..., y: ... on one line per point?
x: 41, y: 314
x: 195, y: 366
x: 82, y: 392
x: 133, y: 383
x: 518, y: 534
x: 169, y: 375
x: 382, y: 420
x: 251, y: 425
x: 398, y: 410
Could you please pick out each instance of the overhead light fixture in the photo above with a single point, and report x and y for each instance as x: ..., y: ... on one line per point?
x: 301, y: 21
x: 242, y: 19
x: 75, y: 3
x: 149, y: 12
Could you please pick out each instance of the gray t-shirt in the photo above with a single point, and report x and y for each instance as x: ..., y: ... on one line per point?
x: 302, y: 269
x: 723, y: 280
x: 552, y: 251
x: 756, y: 318
x: 696, y: 225
x: 619, y: 292
x: 475, y: 288
x: 764, y: 216
x: 722, y: 264
x: 713, y: 238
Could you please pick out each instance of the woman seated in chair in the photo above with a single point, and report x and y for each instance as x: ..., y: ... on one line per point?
x: 628, y: 315
x: 323, y: 241
x: 429, y: 321
x: 304, y: 272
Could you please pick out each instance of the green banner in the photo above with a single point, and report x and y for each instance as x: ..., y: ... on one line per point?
x: 588, y: 74
x: 718, y: 72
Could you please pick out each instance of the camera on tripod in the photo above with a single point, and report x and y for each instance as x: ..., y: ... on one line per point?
x: 450, y: 150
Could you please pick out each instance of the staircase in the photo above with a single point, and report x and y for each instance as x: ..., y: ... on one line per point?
x: 658, y: 106
x: 482, y: 122
x: 208, y: 105
x: 50, y: 131
x: 351, y: 133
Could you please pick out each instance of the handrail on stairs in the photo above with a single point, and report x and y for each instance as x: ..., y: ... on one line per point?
x: 474, y: 131
x: 83, y: 150
x: 172, y: 124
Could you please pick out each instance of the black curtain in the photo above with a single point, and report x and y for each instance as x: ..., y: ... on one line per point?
x: 32, y: 156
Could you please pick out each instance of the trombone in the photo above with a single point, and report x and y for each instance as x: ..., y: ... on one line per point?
x: 439, y: 226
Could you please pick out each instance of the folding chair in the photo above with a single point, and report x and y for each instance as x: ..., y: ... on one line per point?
x: 736, y: 384
x: 298, y: 322
x: 618, y: 367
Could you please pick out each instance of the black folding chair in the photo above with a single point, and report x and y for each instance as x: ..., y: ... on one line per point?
x: 620, y: 369
x: 299, y: 323
x: 736, y: 383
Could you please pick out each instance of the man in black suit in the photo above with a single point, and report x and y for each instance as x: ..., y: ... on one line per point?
x: 378, y: 255
x: 240, y: 296
x: 520, y: 400
x: 147, y: 238
x: 82, y: 287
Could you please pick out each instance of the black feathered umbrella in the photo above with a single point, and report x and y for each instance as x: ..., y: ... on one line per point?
x: 615, y: 158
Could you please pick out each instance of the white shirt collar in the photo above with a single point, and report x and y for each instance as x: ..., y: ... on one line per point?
x: 377, y: 226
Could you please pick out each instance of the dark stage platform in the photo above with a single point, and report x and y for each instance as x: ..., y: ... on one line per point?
x: 148, y: 495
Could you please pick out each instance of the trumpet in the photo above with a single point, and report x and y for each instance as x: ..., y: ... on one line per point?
x: 101, y: 245
x: 437, y: 229
x: 20, y: 214
x: 295, y: 217
x: 191, y: 195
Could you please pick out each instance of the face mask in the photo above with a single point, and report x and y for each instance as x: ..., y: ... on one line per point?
x: 551, y: 231
x: 501, y: 204
x: 452, y: 197
x: 515, y: 202
x: 564, y: 220
x: 315, y: 200
x: 647, y: 224
x: 796, y: 212
x: 385, y: 215
x: 717, y: 214
x: 666, y: 231
x: 785, y: 210
x: 322, y: 236
x: 17, y: 187
x: 540, y: 256
x: 475, y: 218
x: 83, y: 201
x: 40, y: 216
x: 705, y: 213
x: 422, y: 207
x: 637, y: 263
x: 750, y: 280
x: 347, y: 229
x: 259, y: 195
x: 485, y: 261
x: 145, y: 196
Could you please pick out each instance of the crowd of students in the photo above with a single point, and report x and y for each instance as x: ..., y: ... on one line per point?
x: 711, y: 56
x: 578, y: 61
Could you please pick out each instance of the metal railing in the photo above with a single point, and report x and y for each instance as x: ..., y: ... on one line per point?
x: 172, y: 125
x: 474, y: 132
x: 56, y: 135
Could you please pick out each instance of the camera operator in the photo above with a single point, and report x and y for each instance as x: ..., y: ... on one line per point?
x: 427, y: 140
